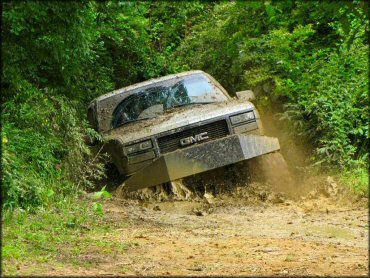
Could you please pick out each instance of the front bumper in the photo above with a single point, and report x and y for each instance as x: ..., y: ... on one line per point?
x: 201, y: 158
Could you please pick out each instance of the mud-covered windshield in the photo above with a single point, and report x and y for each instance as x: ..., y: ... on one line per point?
x: 155, y: 100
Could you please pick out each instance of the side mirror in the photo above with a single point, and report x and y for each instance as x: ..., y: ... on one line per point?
x: 247, y: 95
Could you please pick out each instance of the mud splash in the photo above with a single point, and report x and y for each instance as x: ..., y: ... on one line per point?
x: 234, y: 186
x: 215, y: 182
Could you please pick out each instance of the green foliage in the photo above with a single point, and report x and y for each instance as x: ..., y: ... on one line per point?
x: 331, y: 104
x: 43, y: 149
x: 97, y: 206
x: 47, y: 77
x: 311, y: 58
x: 124, y: 41
x: 170, y: 22
x: 102, y: 194
x: 52, y: 50
x: 357, y: 179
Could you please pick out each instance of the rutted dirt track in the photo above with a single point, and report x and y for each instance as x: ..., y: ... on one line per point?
x: 321, y: 236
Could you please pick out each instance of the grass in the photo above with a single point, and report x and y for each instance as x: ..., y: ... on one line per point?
x: 357, y: 180
x: 331, y: 232
x: 71, y: 232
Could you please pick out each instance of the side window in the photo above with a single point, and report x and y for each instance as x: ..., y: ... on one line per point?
x: 91, y: 117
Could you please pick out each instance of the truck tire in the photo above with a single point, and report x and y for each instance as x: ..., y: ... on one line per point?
x: 112, y: 178
x: 272, y: 168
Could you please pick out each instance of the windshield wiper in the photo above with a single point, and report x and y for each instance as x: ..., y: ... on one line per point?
x: 186, y: 104
x: 136, y: 120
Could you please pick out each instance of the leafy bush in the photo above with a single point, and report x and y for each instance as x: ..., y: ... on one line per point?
x: 331, y: 104
x: 357, y: 179
x: 309, y: 58
x: 43, y: 150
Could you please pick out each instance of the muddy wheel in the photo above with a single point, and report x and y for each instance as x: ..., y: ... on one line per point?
x: 272, y: 169
x: 144, y: 194
x: 162, y: 192
x: 113, y: 177
x: 111, y: 180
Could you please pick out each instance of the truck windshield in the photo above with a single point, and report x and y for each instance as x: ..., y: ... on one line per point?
x: 156, y: 99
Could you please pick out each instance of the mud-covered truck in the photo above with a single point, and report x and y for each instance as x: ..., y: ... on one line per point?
x: 177, y: 126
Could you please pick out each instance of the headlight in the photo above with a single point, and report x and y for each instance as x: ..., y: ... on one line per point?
x: 241, y: 118
x: 139, y: 147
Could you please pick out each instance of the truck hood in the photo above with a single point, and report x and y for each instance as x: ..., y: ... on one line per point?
x: 176, y: 118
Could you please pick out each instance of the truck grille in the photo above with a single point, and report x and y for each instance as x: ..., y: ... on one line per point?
x: 171, y: 142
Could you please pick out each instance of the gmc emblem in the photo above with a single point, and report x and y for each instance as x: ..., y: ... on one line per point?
x: 193, y: 139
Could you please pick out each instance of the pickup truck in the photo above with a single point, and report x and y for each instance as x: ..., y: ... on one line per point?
x: 177, y: 126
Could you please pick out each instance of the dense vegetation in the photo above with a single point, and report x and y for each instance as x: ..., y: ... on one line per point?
x: 307, y: 59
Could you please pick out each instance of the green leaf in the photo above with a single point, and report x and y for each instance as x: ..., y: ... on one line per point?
x: 98, y: 208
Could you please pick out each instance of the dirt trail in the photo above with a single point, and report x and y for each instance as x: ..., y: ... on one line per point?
x: 228, y: 236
